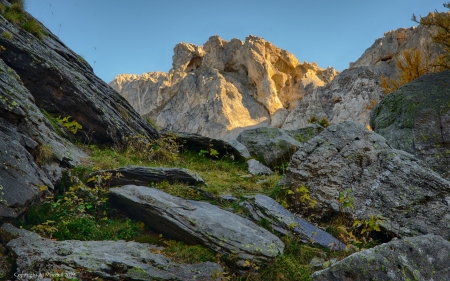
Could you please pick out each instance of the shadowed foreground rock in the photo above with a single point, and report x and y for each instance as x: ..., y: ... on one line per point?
x: 199, y: 223
x: 413, y: 199
x: 145, y: 175
x: 419, y: 258
x: 198, y: 142
x: 285, y: 222
x: 32, y: 155
x: 111, y: 260
x: 64, y: 84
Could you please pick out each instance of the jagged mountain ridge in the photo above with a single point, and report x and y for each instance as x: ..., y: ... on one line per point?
x: 222, y: 88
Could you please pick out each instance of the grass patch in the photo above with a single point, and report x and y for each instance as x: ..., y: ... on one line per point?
x: 43, y: 154
x: 16, y: 15
x: 7, y: 35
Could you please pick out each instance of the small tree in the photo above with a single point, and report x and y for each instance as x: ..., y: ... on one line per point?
x: 442, y: 22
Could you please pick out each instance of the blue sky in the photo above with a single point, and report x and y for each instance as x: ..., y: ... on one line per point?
x: 137, y: 36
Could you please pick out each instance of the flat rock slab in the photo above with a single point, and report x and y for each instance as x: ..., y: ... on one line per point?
x: 418, y: 258
x: 198, y: 223
x: 111, y: 260
x: 285, y: 222
x: 139, y: 175
x: 272, y: 146
x: 412, y: 199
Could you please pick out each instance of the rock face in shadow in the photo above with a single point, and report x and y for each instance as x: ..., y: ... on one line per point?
x: 416, y: 119
x: 285, y: 222
x: 196, y: 142
x: 32, y: 155
x: 417, y: 258
x: 85, y: 260
x: 223, y: 87
x: 412, y: 198
x: 199, y: 223
x: 62, y: 82
x: 137, y: 175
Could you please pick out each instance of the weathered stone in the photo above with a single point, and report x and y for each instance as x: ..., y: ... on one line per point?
x: 416, y: 119
x: 272, y: 146
x: 354, y: 92
x: 417, y: 258
x: 383, y: 181
x: 61, y: 82
x: 257, y: 168
x: 241, y: 148
x: 197, y: 143
x: 199, y: 223
x: 224, y: 87
x: 285, y: 222
x: 306, y: 133
x: 138, y: 175
x: 85, y: 260
x: 25, y: 134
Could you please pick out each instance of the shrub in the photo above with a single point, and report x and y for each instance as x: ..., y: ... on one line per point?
x: 33, y: 27
x: 322, y: 122
x: 43, y: 154
x: 7, y: 35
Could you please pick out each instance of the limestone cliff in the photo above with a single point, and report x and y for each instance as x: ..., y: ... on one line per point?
x: 223, y: 87
x: 355, y: 91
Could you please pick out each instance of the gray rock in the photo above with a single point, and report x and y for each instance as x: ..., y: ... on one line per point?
x: 24, y: 129
x: 416, y: 119
x: 228, y: 197
x: 383, y: 181
x: 257, y: 168
x: 241, y: 148
x: 197, y: 143
x: 199, y: 223
x: 353, y: 93
x: 111, y: 260
x: 62, y: 83
x: 285, y: 222
x: 417, y: 258
x: 272, y: 146
x: 138, y: 175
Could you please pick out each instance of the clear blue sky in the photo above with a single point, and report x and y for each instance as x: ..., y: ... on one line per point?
x: 137, y: 36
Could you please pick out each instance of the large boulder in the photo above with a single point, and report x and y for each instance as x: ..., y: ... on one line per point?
x: 62, y: 82
x: 416, y: 119
x: 199, y: 223
x: 262, y: 207
x: 138, y: 175
x: 417, y: 258
x: 383, y: 181
x: 272, y: 146
x: 32, y: 154
x: 223, y: 87
x: 87, y: 260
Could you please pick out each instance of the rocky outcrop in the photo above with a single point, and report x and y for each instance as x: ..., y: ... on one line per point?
x: 418, y: 258
x: 199, y: 223
x: 272, y: 146
x: 355, y: 91
x: 146, y: 175
x: 87, y: 260
x: 223, y: 87
x: 32, y: 155
x: 281, y: 220
x: 382, y: 181
x: 416, y: 119
x: 61, y: 82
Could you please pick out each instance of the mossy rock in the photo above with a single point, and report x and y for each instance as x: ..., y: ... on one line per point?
x: 416, y: 119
